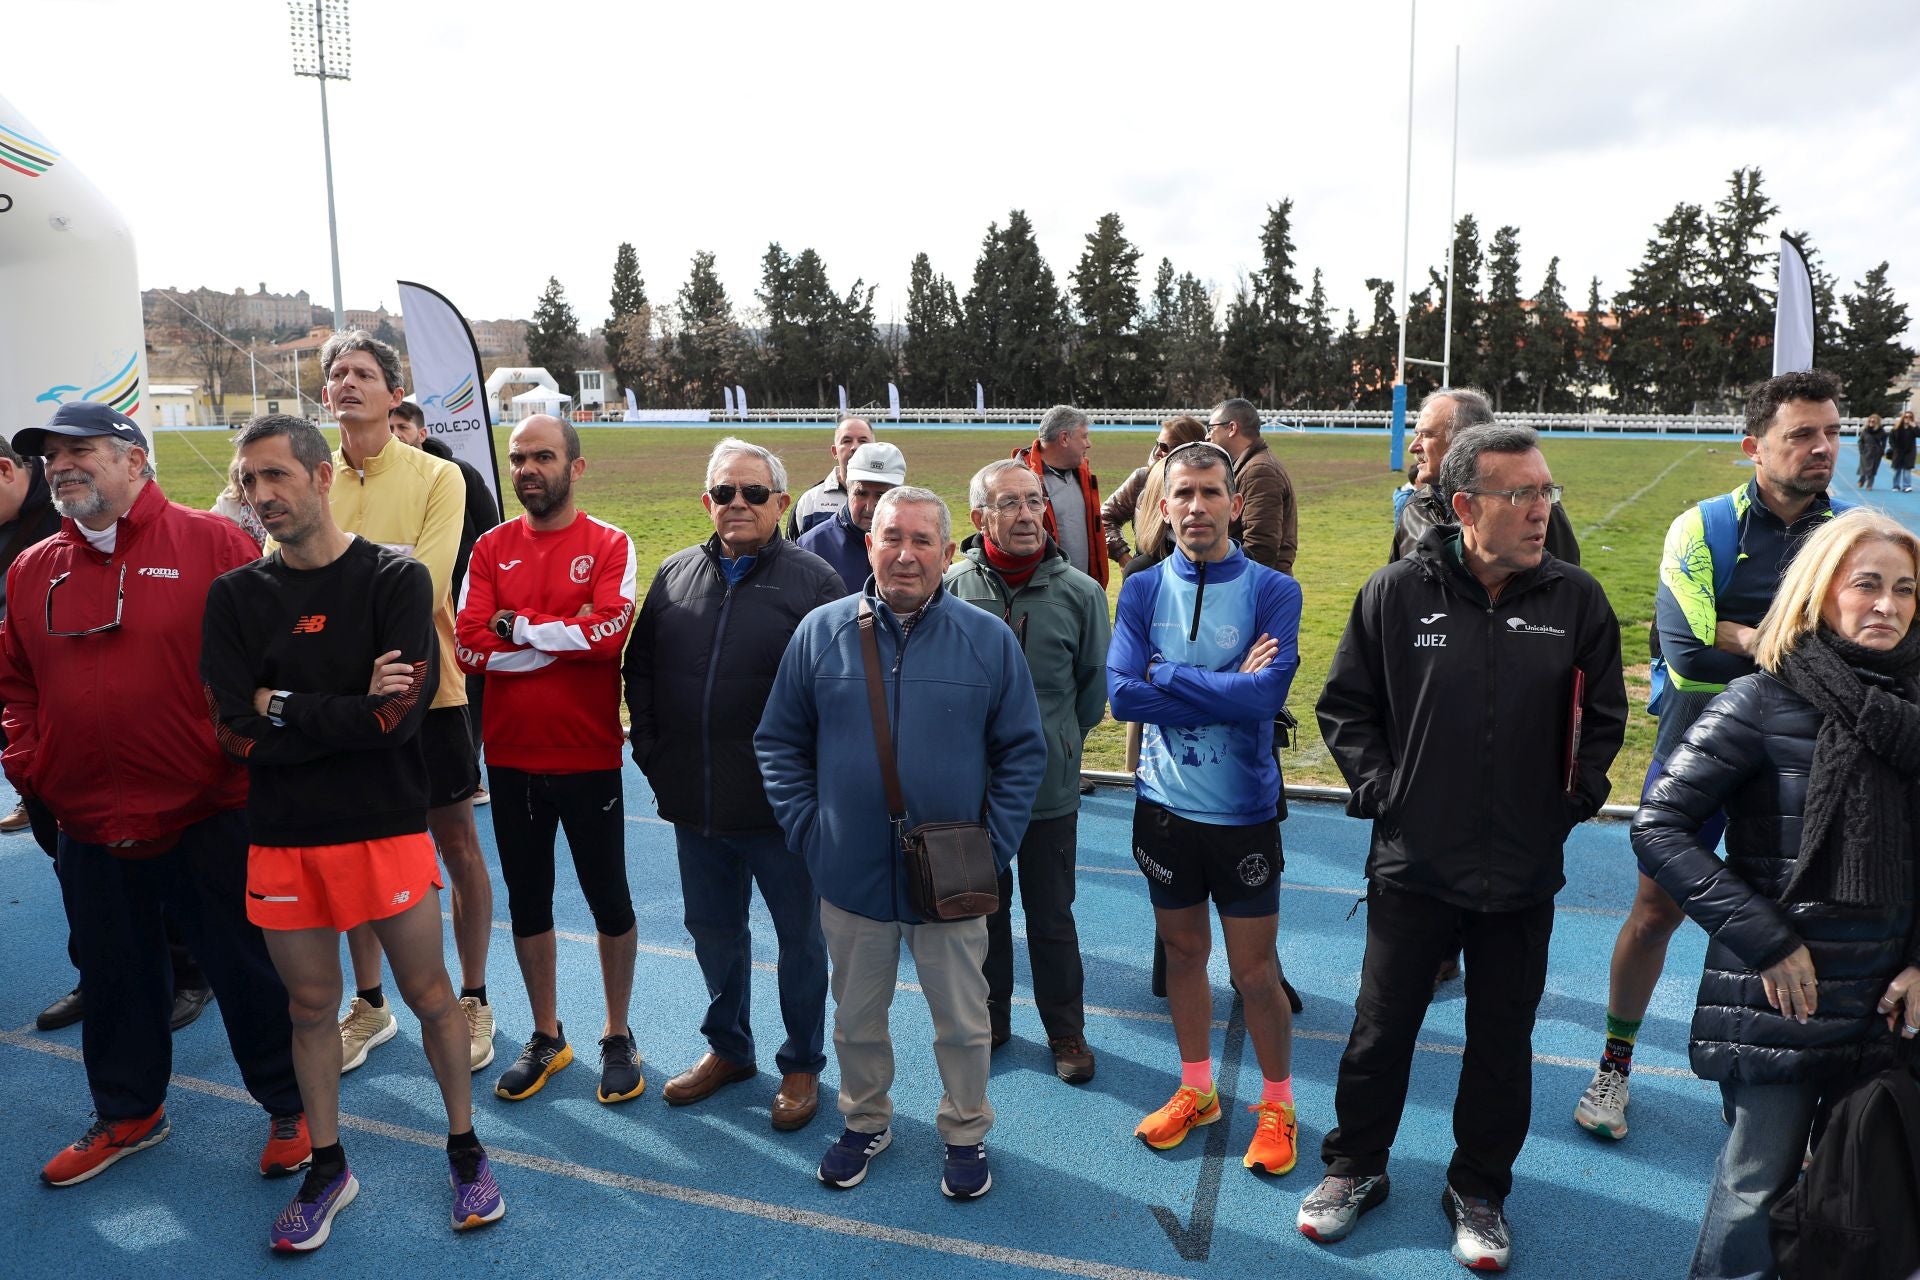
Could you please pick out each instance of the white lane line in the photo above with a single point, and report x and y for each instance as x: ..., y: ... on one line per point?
x: 672, y: 1191
x: 1134, y: 1015
x: 1638, y: 494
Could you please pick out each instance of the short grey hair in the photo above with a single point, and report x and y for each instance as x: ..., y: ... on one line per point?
x: 120, y: 447
x: 1201, y: 455
x: 979, y: 489
x: 902, y: 494
x: 734, y: 447
x: 1460, y: 469
x: 1471, y: 407
x: 1059, y: 420
x: 360, y: 340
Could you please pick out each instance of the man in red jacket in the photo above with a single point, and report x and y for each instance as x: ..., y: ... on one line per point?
x: 103, y: 621
x: 1059, y: 457
x: 544, y: 612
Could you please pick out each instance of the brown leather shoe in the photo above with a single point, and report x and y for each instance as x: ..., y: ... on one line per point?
x: 705, y: 1077
x: 799, y: 1098
x: 1072, y: 1060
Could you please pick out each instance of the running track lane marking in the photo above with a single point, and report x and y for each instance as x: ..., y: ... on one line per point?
x: 1136, y: 1015
x: 672, y: 1191
x: 1638, y: 494
x: 1194, y: 1240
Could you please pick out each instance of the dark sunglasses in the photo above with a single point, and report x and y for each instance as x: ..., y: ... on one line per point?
x: 755, y: 494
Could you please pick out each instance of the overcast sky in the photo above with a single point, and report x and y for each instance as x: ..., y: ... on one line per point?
x: 482, y: 146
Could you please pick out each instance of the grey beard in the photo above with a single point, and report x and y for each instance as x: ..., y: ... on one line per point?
x: 84, y: 508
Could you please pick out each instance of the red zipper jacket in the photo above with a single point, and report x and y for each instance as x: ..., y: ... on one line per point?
x: 111, y: 731
x: 1089, y: 483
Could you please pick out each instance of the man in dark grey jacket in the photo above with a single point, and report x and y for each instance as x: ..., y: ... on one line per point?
x: 1013, y: 570
x: 1443, y: 415
x: 1473, y: 705
x: 698, y: 669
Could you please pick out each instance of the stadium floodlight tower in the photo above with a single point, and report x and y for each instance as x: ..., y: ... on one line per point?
x: 323, y: 49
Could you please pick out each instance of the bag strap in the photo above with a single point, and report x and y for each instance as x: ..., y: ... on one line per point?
x: 877, y: 706
x: 1721, y: 529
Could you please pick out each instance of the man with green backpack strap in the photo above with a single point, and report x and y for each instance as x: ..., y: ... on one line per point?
x: 1718, y: 573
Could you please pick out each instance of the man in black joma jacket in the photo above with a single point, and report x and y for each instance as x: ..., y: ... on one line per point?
x: 701, y: 663
x: 1448, y: 710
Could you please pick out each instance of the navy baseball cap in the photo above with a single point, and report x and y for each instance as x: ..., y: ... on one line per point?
x: 81, y: 418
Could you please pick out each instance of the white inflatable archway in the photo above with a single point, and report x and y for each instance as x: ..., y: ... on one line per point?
x: 503, y: 377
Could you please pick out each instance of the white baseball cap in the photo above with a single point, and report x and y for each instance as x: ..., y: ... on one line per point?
x: 879, y: 463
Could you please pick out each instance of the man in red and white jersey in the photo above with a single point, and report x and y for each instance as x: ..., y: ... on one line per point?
x: 544, y: 613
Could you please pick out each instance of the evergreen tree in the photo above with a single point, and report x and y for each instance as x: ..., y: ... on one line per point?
x: 1321, y: 384
x: 1349, y: 349
x: 1871, y: 355
x: 1469, y: 315
x: 1157, y: 332
x: 855, y: 356
x: 1596, y: 346
x: 1242, y: 351
x: 553, y: 339
x: 986, y: 316
x: 706, y: 351
x: 1276, y: 289
x: 1106, y: 293
x: 1662, y: 358
x: 1016, y: 319
x: 1740, y: 309
x: 628, y: 300
x: 1193, y: 346
x: 1502, y: 371
x: 1550, y: 359
x: 933, y: 351
x: 777, y: 333
x: 1379, y: 350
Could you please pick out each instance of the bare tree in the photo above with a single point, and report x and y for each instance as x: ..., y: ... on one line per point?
x: 215, y: 347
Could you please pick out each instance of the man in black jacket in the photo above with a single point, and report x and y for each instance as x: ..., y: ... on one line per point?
x: 1474, y: 705
x: 705, y: 650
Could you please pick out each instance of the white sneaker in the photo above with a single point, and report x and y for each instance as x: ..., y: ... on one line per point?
x: 363, y: 1029
x: 1481, y: 1239
x: 479, y: 1031
x: 1602, y: 1109
x: 1330, y: 1209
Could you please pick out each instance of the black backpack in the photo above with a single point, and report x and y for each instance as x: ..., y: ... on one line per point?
x: 1855, y: 1212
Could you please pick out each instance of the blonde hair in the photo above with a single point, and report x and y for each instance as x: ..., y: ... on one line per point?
x: 1149, y: 526
x: 1795, y: 612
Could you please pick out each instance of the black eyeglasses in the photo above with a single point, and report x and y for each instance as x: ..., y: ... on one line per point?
x: 755, y: 494
x: 119, y: 604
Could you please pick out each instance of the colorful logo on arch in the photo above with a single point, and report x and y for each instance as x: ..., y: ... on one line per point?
x: 22, y: 154
x: 120, y: 390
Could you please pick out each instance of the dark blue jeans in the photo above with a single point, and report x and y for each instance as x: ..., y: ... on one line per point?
x: 114, y: 909
x: 717, y: 875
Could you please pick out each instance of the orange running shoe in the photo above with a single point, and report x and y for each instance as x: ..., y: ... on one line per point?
x: 1272, y: 1149
x: 1189, y: 1109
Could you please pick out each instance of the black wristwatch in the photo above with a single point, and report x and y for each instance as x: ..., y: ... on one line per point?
x: 503, y: 626
x: 277, y: 706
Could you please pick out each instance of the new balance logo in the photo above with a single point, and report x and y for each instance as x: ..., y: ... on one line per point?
x: 310, y: 624
x: 401, y: 898
x: 158, y: 573
x: 508, y: 565
x: 1431, y: 618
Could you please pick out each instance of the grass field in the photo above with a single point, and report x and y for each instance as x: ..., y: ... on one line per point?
x: 1621, y: 496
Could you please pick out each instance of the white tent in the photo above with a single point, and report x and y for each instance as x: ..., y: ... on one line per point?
x: 540, y: 400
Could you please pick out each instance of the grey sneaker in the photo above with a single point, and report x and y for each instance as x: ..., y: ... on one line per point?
x: 1330, y: 1209
x: 1481, y: 1241
x: 363, y: 1029
x: 1602, y: 1109
x: 479, y: 1031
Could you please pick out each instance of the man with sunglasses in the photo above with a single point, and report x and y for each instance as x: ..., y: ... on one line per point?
x: 1013, y: 570
x: 544, y: 613
x: 107, y: 725
x: 1474, y: 705
x: 699, y: 668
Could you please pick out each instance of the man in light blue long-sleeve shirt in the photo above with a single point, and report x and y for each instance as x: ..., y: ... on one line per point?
x: 1204, y: 650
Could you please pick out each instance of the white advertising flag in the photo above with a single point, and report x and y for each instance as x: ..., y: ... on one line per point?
x: 447, y: 382
x: 633, y: 401
x: 1793, y: 320
x: 893, y: 402
x: 740, y: 400
x: 726, y: 394
x: 843, y: 401
x: 979, y: 398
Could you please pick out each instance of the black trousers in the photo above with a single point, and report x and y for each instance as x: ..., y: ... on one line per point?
x: 1045, y: 863
x: 1506, y: 971
x: 528, y: 811
x: 114, y: 907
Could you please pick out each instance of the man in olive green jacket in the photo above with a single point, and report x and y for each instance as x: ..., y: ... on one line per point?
x: 1059, y: 614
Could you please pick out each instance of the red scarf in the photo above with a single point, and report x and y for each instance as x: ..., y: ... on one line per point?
x: 1015, y: 569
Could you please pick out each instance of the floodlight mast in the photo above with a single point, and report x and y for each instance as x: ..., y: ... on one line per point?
x: 316, y: 25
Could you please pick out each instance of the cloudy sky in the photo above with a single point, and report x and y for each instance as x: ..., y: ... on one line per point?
x: 482, y: 146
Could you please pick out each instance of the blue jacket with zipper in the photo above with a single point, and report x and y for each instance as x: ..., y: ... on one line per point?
x: 698, y: 668
x: 966, y: 731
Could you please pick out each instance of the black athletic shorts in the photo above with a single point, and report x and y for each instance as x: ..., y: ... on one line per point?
x: 1187, y: 862
x: 453, y: 770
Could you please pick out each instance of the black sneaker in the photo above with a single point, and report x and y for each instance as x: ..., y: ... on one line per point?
x: 543, y: 1056
x: 1481, y: 1240
x: 620, y: 1077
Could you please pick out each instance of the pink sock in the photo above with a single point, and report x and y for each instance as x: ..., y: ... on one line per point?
x: 1198, y: 1074
x: 1277, y: 1091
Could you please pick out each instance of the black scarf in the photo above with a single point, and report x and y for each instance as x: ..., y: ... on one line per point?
x: 1863, y: 807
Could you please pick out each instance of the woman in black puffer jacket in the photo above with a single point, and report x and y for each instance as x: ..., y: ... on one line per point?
x: 1811, y: 976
